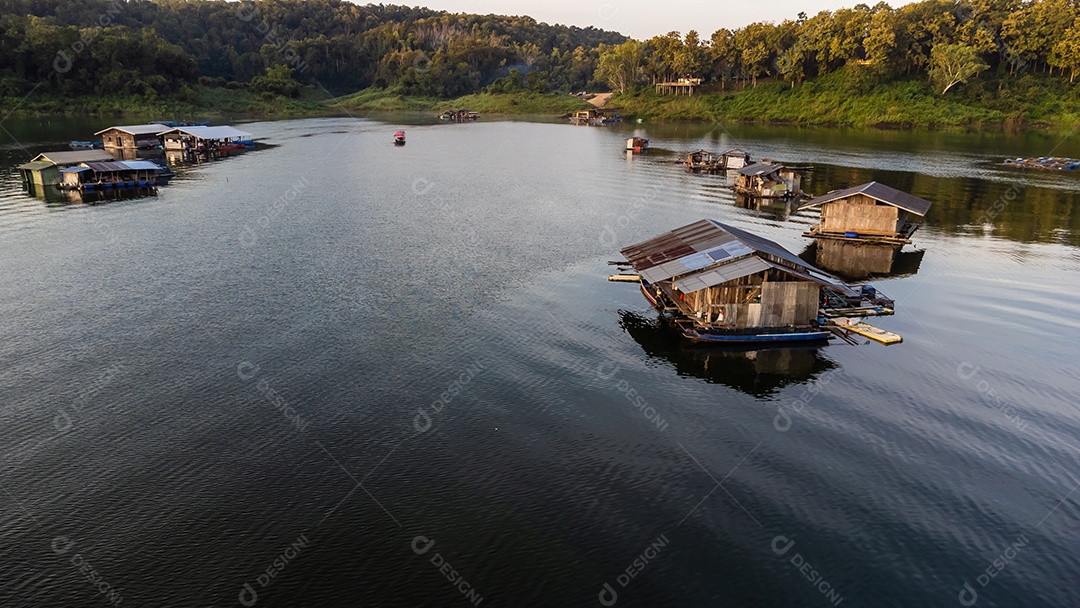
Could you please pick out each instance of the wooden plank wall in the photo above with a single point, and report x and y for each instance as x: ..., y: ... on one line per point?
x: 782, y: 302
x: 788, y: 303
x: 860, y: 214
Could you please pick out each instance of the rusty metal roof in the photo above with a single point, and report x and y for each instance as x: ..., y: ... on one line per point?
x: 708, y: 253
x: 877, y: 191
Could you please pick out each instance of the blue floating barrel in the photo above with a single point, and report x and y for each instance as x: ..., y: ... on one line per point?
x: 1073, y: 166
x: 142, y: 184
x: 869, y: 291
x: 851, y: 235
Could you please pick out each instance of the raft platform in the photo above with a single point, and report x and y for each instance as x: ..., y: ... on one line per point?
x: 1053, y: 163
x: 866, y: 330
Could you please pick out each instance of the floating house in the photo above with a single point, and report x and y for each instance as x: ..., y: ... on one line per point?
x: 700, y: 160
x: 459, y: 116
x: 734, y: 159
x: 132, y: 137
x: 766, y: 180
x: 870, y: 213
x: 201, y: 139
x: 718, y: 283
x: 98, y: 175
x: 44, y: 169
x: 596, y: 117
x: 637, y: 144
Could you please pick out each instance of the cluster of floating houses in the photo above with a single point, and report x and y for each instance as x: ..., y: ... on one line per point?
x: 459, y: 116
x: 596, y: 117
x: 721, y: 284
x: 130, y: 156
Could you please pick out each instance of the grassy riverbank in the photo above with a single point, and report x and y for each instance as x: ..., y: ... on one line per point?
x: 843, y: 99
x: 195, y: 101
x: 521, y: 102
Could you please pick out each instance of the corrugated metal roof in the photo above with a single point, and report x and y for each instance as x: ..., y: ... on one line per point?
x: 721, y: 274
x: 219, y: 132
x: 736, y: 152
x: 708, y: 253
x: 149, y: 129
x: 142, y: 165
x: 759, y: 169
x: 74, y: 169
x: 36, y: 165
x: 877, y: 191
x: 74, y: 157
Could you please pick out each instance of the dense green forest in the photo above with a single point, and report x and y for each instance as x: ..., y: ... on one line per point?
x: 934, y: 62
x: 148, y: 49
x: 925, y: 63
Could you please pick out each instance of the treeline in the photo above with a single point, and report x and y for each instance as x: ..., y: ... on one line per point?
x: 163, y: 47
x: 947, y: 41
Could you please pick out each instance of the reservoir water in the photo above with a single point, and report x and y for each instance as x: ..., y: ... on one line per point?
x: 336, y: 372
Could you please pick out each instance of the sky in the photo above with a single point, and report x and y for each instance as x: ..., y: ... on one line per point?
x: 643, y: 19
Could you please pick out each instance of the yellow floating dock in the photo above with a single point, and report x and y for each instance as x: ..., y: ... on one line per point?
x: 625, y: 278
x: 868, y: 331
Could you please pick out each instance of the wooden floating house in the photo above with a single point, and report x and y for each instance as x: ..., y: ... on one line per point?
x: 718, y: 283
x: 870, y: 213
x: 702, y: 160
x: 637, y: 145
x: 766, y: 180
x: 596, y: 117
x: 44, y: 169
x: 207, y: 140
x: 459, y: 116
x: 735, y: 159
x: 99, y: 175
x: 132, y: 137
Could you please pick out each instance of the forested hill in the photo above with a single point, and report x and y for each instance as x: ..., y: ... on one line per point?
x: 151, y: 48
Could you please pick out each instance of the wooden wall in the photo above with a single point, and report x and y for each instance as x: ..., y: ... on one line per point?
x: 782, y: 303
x: 860, y: 214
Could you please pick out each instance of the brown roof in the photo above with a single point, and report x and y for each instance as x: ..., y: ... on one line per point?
x: 880, y: 192
x: 712, y: 253
x: 74, y: 157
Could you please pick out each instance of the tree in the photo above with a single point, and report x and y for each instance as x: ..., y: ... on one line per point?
x: 722, y: 54
x: 1066, y: 53
x: 620, y: 66
x: 951, y: 64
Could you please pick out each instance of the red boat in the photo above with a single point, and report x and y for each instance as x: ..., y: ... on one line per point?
x: 399, y: 138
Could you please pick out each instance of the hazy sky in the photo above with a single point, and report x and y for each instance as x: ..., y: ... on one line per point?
x: 644, y: 19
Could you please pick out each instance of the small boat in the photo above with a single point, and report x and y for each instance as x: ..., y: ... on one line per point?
x: 86, y: 145
x: 399, y: 138
x: 637, y: 145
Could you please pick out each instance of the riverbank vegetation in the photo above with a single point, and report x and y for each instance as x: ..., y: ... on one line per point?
x: 929, y: 63
x: 932, y: 63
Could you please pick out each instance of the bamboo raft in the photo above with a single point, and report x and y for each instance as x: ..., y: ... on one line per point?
x: 1053, y: 163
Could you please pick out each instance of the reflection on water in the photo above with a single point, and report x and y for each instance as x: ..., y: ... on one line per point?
x: 752, y: 370
x: 857, y: 261
x: 772, y: 208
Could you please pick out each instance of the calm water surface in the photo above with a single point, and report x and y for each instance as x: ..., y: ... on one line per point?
x: 283, y: 377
